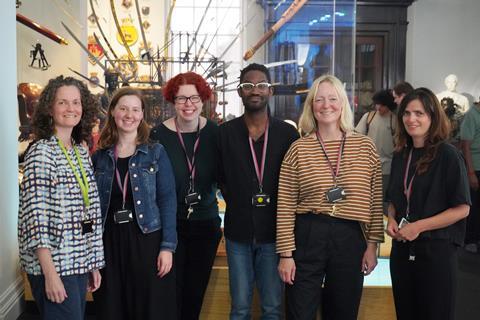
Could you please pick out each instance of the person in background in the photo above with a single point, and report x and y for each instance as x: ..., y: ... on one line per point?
x: 191, y: 143
x: 470, y: 144
x: 380, y: 126
x: 429, y: 200
x: 329, y: 219
x: 59, y: 222
x: 251, y: 151
x: 137, y: 193
x: 400, y: 90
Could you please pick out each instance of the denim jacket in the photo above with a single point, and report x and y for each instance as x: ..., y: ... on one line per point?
x: 153, y: 186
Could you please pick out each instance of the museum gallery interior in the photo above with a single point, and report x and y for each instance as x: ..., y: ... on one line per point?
x: 369, y: 45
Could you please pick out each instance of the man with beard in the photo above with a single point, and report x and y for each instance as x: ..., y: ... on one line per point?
x: 251, y: 152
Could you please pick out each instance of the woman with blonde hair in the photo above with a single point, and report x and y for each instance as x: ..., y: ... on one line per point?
x: 329, y: 217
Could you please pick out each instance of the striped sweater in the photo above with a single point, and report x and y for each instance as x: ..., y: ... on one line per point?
x: 305, y: 177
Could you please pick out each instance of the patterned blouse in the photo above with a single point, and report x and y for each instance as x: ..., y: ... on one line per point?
x: 51, y: 212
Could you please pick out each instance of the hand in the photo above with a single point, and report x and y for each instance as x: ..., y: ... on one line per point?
x: 369, y: 260
x: 94, y: 281
x: 409, y: 232
x: 286, y: 270
x: 164, y: 263
x: 473, y: 180
x: 392, y: 228
x: 54, y: 288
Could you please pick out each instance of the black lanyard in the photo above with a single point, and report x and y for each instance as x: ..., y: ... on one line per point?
x: 123, y: 188
x: 407, y: 189
x: 190, y: 162
x: 259, y: 170
x: 339, y: 156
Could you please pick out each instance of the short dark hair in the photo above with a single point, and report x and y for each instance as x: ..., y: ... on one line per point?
x: 384, y: 97
x: 257, y: 67
x: 403, y: 88
x: 42, y: 124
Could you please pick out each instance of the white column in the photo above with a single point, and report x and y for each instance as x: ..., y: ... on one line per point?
x: 10, y: 281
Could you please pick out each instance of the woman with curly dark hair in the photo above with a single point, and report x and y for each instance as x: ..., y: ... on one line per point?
x: 429, y: 200
x: 190, y: 141
x: 59, y: 223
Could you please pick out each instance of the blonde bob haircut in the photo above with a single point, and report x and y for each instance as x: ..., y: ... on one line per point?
x: 308, y: 123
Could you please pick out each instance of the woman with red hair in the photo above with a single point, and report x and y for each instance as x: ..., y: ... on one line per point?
x: 190, y: 141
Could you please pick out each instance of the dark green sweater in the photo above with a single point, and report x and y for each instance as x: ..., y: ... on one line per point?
x: 205, y: 168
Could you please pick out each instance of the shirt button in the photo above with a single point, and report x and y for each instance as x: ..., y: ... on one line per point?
x: 139, y: 202
x: 133, y: 164
x: 145, y: 229
x: 140, y: 216
x: 134, y: 175
x: 136, y: 188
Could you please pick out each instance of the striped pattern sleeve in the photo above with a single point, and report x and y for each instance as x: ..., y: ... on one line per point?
x: 374, y: 230
x: 39, y: 226
x: 305, y: 178
x: 287, y: 201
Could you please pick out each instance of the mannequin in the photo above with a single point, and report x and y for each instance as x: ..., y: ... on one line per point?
x: 451, y: 82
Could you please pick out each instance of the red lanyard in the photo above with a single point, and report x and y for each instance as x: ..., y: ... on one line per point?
x: 260, y: 170
x: 190, y: 162
x: 123, y: 188
x: 407, y: 190
x: 339, y: 156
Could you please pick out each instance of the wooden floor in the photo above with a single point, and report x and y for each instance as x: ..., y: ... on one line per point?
x: 376, y: 304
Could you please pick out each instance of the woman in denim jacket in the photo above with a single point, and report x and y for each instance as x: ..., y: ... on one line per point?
x: 138, y: 202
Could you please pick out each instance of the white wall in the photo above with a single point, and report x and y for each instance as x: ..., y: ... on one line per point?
x: 442, y: 38
x: 60, y: 57
x: 10, y: 281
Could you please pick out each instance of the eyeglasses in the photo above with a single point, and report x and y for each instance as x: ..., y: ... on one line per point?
x: 183, y: 99
x: 247, y: 86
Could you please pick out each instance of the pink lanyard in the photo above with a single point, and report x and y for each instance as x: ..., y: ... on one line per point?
x: 407, y: 190
x: 123, y: 188
x: 260, y: 170
x: 190, y: 163
x: 339, y: 156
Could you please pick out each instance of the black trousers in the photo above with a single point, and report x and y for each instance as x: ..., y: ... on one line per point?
x: 472, y: 234
x: 329, y: 253
x: 424, y: 289
x: 196, y: 250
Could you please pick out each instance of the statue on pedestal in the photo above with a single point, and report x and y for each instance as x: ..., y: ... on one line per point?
x: 451, y: 82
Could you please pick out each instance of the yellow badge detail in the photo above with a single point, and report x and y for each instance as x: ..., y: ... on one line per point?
x: 129, y: 32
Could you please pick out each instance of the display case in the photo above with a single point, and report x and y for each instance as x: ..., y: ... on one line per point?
x: 320, y: 37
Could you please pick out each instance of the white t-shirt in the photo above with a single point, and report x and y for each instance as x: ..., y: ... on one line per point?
x: 380, y: 131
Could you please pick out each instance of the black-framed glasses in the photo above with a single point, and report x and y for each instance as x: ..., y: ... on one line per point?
x: 247, y: 86
x: 183, y: 99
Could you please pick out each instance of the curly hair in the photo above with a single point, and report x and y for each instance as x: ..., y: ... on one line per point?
x: 438, y: 132
x: 42, y: 121
x: 109, y: 134
x: 171, y: 88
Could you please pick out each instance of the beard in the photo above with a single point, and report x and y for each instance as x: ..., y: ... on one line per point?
x: 255, y: 103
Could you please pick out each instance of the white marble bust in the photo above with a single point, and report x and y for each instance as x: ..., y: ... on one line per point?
x: 451, y: 82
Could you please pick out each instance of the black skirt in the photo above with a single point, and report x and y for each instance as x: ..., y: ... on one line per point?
x: 130, y: 286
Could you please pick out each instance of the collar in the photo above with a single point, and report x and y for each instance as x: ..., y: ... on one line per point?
x: 140, y: 148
